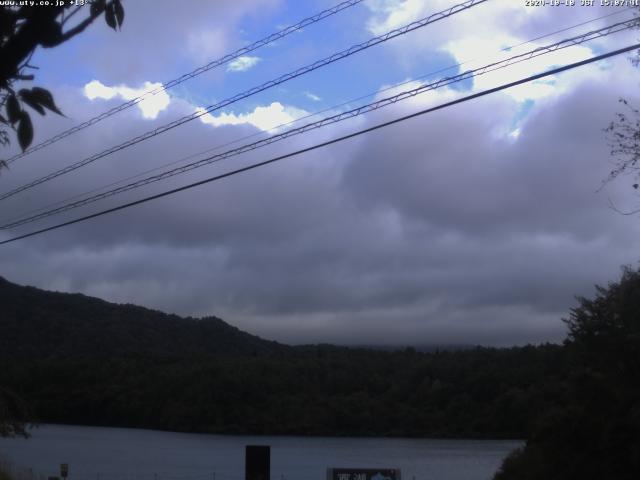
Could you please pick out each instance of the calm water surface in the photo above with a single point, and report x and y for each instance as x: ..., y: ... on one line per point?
x: 95, y: 453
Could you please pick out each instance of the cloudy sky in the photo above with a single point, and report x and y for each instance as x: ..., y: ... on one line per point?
x: 474, y: 224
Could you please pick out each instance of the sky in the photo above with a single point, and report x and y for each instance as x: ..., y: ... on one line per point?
x: 475, y: 224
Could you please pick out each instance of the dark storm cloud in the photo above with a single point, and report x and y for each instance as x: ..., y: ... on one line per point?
x: 442, y: 229
x: 542, y: 183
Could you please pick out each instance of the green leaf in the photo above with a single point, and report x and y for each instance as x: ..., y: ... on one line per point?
x: 119, y: 12
x: 27, y: 97
x: 25, y: 131
x: 43, y: 97
x: 13, y: 109
x: 110, y: 16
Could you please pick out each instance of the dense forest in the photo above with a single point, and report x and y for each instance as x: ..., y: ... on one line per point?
x: 81, y: 360
x: 595, y: 432
x: 320, y: 390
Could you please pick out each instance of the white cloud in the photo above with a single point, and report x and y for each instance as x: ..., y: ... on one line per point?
x: 242, y: 64
x: 476, y: 37
x: 390, y: 14
x: 456, y: 235
x: 150, y: 106
x: 95, y: 89
x: 312, y: 96
x: 484, y: 19
x: 469, y: 49
x: 265, y: 118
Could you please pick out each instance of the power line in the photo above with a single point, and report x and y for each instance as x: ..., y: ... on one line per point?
x: 573, y: 41
x: 327, y: 143
x: 311, y: 115
x: 194, y: 73
x: 272, y: 83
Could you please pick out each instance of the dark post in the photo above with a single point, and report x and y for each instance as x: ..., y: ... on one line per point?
x: 257, y: 462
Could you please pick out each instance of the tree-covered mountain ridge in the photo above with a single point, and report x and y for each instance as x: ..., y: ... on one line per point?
x: 39, y: 324
x: 82, y: 360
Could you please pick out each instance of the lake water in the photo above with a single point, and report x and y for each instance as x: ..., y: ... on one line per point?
x: 95, y: 453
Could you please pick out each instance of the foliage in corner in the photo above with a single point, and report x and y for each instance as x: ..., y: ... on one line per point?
x: 624, y: 141
x: 22, y: 30
x: 623, y: 135
x: 595, y: 433
x: 15, y: 415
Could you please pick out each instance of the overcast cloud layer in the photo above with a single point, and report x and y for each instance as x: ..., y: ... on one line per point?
x: 475, y: 224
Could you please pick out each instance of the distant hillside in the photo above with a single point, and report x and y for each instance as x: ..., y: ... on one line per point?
x: 37, y: 324
x: 82, y: 360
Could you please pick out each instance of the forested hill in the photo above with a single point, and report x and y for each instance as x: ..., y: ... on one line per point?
x: 81, y: 360
x: 37, y: 324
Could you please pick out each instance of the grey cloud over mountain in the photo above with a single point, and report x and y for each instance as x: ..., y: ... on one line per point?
x: 441, y: 229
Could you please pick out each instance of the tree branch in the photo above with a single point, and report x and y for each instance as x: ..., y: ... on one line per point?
x: 78, y: 28
x: 613, y: 207
x: 66, y: 18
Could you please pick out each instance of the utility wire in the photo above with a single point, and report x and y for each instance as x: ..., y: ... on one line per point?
x: 297, y: 120
x: 327, y: 143
x: 194, y: 73
x: 569, y: 42
x: 272, y: 83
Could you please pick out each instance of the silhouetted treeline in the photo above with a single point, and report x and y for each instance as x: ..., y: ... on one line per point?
x: 37, y: 324
x: 85, y: 361
x: 595, y: 432
x: 316, y: 390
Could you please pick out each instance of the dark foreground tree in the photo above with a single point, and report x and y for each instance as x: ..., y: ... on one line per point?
x: 596, y: 433
x: 15, y: 415
x: 22, y: 30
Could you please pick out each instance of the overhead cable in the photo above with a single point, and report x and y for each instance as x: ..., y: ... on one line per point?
x: 194, y: 73
x: 305, y: 117
x: 270, y: 84
x: 327, y: 143
x: 569, y: 42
